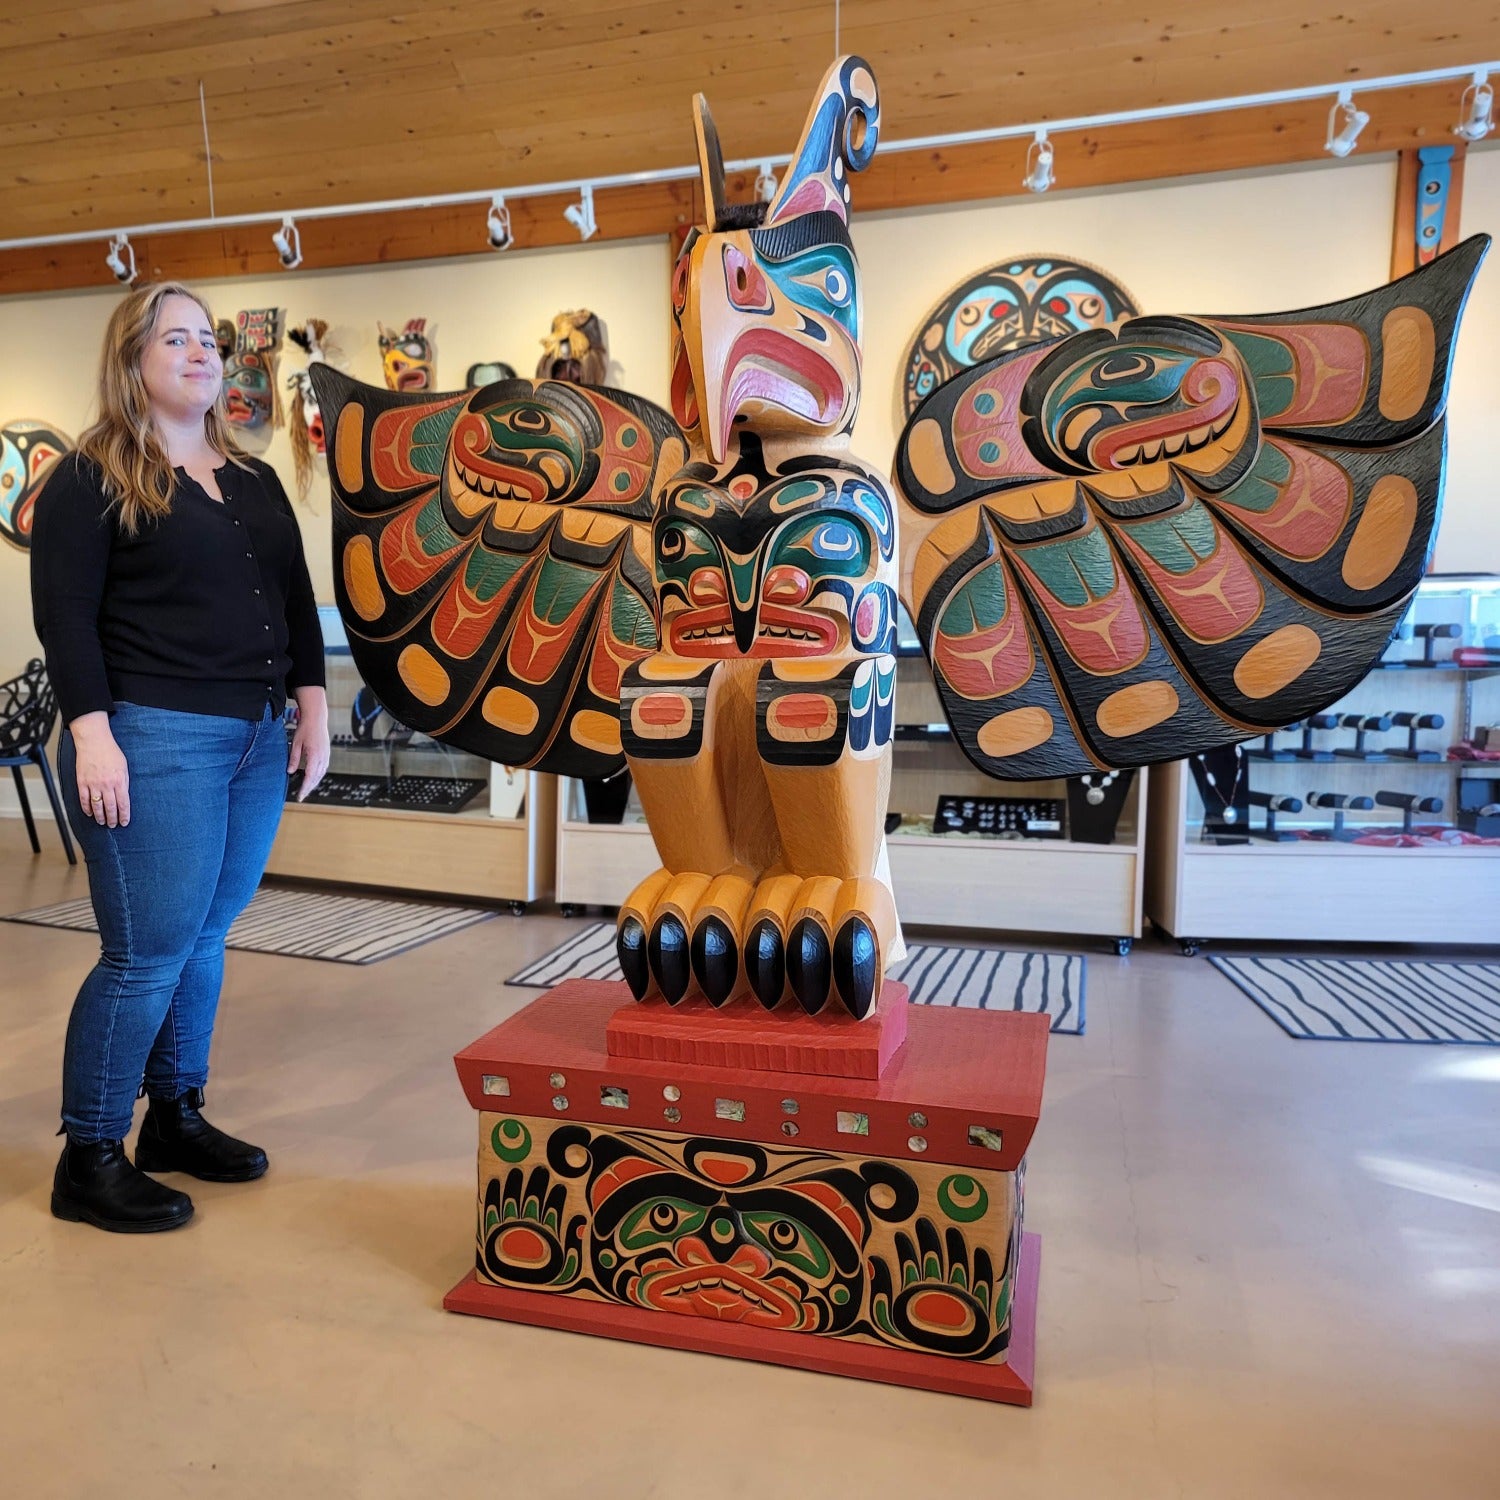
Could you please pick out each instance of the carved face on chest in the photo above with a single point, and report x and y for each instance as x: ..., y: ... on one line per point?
x: 758, y: 564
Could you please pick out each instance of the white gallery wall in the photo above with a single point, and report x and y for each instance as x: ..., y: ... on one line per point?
x: 1243, y: 244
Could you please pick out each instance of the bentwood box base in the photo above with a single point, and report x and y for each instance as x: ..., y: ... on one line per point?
x: 867, y: 1227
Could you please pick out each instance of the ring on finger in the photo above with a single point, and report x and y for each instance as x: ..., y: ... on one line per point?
x: 96, y: 797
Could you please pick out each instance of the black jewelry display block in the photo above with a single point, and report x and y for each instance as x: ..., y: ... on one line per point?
x: 1224, y: 785
x: 1096, y: 822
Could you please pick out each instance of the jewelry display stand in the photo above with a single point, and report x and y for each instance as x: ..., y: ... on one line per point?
x: 1414, y: 723
x: 1293, y: 882
x: 1274, y: 804
x: 1220, y: 775
x: 1409, y: 806
x: 1095, y: 804
x: 1339, y: 803
x: 1309, y: 727
x: 1362, y: 725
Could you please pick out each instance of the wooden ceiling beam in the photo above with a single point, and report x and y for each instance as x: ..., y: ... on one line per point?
x: 1264, y: 138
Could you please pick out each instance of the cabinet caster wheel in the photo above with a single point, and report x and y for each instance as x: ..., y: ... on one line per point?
x: 570, y: 909
x: 1189, y: 947
x: 518, y: 908
x: 1123, y: 946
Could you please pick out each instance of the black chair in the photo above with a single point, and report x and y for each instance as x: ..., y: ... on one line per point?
x: 28, y: 712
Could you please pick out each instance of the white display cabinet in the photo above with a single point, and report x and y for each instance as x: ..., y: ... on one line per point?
x: 1347, y: 870
x: 400, y: 811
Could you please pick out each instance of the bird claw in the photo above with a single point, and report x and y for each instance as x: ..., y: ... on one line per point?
x: 812, y: 939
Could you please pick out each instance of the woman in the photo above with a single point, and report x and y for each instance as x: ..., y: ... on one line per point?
x: 172, y: 598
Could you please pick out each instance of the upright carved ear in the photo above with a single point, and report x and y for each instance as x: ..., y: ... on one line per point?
x: 710, y: 162
x: 839, y: 137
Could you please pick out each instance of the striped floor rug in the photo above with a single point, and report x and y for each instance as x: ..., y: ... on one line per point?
x: 1373, y: 1000
x: 309, y: 924
x: 973, y: 978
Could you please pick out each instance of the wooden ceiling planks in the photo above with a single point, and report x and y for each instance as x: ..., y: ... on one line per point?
x: 319, y: 102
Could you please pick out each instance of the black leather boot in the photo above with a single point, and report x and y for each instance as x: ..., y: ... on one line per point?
x: 176, y: 1138
x: 96, y: 1184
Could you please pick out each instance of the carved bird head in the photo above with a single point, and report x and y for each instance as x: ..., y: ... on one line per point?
x: 765, y: 298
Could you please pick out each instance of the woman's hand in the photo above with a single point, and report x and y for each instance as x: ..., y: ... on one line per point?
x: 103, y: 776
x: 310, y: 747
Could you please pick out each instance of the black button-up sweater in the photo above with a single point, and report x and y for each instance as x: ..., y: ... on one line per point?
x: 209, y: 610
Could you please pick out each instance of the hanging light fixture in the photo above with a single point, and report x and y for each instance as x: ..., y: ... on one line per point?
x: 288, y: 243
x: 1038, y: 176
x: 497, y: 224
x: 581, y: 214
x: 120, y: 258
x: 1477, y: 109
x: 1345, y: 122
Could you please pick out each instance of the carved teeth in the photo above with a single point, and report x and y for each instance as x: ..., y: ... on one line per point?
x: 482, y: 484
x: 714, y: 1283
x: 1128, y: 455
x: 1175, y: 445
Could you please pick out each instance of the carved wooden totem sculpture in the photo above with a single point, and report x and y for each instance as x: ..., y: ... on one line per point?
x: 1121, y: 546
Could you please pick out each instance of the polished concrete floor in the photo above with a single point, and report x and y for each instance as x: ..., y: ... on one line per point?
x: 1270, y: 1269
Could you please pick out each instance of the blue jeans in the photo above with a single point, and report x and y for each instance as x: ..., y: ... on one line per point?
x: 206, y: 795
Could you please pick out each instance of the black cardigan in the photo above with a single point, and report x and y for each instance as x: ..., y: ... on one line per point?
x: 209, y: 610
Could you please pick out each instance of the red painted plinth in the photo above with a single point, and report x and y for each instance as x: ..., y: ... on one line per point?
x: 961, y: 1071
x: 1011, y: 1382
x: 949, y: 1116
x: 745, y: 1036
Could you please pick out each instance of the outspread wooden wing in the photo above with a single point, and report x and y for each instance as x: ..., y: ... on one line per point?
x: 492, y: 558
x: 1138, y: 543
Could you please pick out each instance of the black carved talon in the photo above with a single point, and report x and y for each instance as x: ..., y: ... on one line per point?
x: 855, y: 965
x: 630, y: 945
x: 808, y: 965
x: 668, y: 953
x: 716, y: 960
x: 765, y: 962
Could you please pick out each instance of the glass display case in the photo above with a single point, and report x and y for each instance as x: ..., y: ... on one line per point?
x: 397, y: 809
x: 1293, y: 835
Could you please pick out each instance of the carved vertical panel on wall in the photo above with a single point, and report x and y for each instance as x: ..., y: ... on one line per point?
x: 1429, y: 200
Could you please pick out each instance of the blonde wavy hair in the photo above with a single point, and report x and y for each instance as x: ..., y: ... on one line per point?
x: 124, y: 444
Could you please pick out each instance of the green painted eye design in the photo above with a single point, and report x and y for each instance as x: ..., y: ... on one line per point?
x: 789, y: 1241
x: 659, y: 1221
